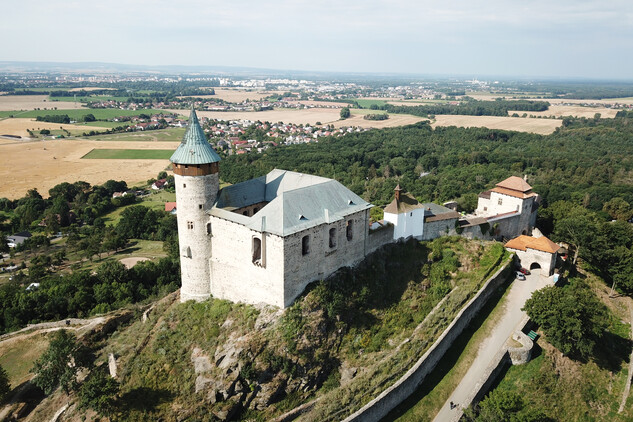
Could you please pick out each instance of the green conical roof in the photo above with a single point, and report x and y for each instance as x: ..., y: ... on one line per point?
x: 194, y: 148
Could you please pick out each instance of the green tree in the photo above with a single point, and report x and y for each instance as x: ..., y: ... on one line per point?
x: 60, y: 363
x: 99, y: 392
x: 5, y: 386
x: 572, y: 318
x: 345, y: 113
x: 618, y: 209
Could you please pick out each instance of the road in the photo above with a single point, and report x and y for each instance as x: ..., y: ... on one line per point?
x: 519, y: 292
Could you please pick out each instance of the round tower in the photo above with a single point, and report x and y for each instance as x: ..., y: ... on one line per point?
x: 196, y: 177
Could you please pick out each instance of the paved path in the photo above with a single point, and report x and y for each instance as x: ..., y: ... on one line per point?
x: 519, y: 292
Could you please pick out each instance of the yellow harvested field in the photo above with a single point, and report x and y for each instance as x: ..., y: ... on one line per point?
x: 541, y: 126
x: 393, y: 121
x: 627, y: 100
x: 323, y: 103
x: 19, y: 126
x: 310, y: 115
x: 239, y: 95
x: 31, y: 102
x: 44, y: 164
x: 89, y: 88
x: 567, y: 110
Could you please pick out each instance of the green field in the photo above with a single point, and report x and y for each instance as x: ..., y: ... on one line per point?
x: 99, y: 113
x: 368, y: 103
x: 89, y: 98
x: 127, y: 154
x: 167, y: 135
x: 104, y: 124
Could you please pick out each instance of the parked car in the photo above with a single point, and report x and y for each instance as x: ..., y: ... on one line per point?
x: 520, y: 275
x: 525, y: 271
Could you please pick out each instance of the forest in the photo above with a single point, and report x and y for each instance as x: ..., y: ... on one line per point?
x: 469, y: 107
x: 582, y: 172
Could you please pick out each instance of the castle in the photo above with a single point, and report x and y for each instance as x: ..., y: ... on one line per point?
x: 266, y: 239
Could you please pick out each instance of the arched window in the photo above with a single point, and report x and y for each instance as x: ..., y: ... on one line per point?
x: 305, y: 245
x: 332, y: 237
x: 257, y: 251
x: 348, y: 230
x: 208, y: 228
x: 188, y: 252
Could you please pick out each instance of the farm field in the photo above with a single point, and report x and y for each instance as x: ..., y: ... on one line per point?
x: 311, y: 116
x: 166, y: 135
x: 19, y: 127
x: 30, y: 102
x: 87, y: 98
x: 394, y: 120
x: 99, y: 113
x: 44, y: 164
x: 566, y: 110
x: 540, y: 126
x: 323, y: 103
x: 236, y: 95
x: 129, y: 154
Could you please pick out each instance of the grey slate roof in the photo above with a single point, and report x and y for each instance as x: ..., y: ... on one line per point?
x: 194, y: 148
x: 295, y: 202
x: 435, y: 212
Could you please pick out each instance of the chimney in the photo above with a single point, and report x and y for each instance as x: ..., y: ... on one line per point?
x: 398, y: 190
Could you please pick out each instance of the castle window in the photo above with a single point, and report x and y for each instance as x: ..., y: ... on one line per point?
x: 184, y: 185
x: 199, y: 206
x: 305, y: 245
x: 190, y: 225
x: 349, y: 232
x: 410, y: 214
x: 500, y: 202
x: 257, y: 251
x: 245, y: 213
x: 208, y: 228
x: 255, y: 210
x: 485, y: 208
x: 333, y: 238
x: 188, y: 252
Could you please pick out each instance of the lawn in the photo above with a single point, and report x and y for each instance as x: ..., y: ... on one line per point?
x: 127, y: 154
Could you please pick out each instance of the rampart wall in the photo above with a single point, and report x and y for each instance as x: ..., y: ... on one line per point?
x: 379, y: 407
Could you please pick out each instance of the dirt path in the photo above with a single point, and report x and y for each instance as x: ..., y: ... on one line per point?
x: 519, y: 292
x: 45, y: 327
x: 627, y: 389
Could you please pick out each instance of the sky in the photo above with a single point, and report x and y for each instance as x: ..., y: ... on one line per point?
x: 505, y: 38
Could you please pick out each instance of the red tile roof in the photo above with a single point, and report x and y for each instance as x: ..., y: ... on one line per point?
x: 528, y: 242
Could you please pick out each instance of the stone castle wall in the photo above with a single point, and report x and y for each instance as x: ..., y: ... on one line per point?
x: 321, y: 260
x: 379, y: 407
x: 234, y: 276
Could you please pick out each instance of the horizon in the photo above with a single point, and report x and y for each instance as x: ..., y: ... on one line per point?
x: 570, y: 40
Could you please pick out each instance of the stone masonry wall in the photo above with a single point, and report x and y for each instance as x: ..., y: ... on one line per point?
x: 234, y: 276
x: 321, y: 260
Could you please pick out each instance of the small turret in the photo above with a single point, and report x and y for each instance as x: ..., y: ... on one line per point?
x: 196, y: 176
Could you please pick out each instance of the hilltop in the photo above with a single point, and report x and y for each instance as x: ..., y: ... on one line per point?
x: 343, y: 340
